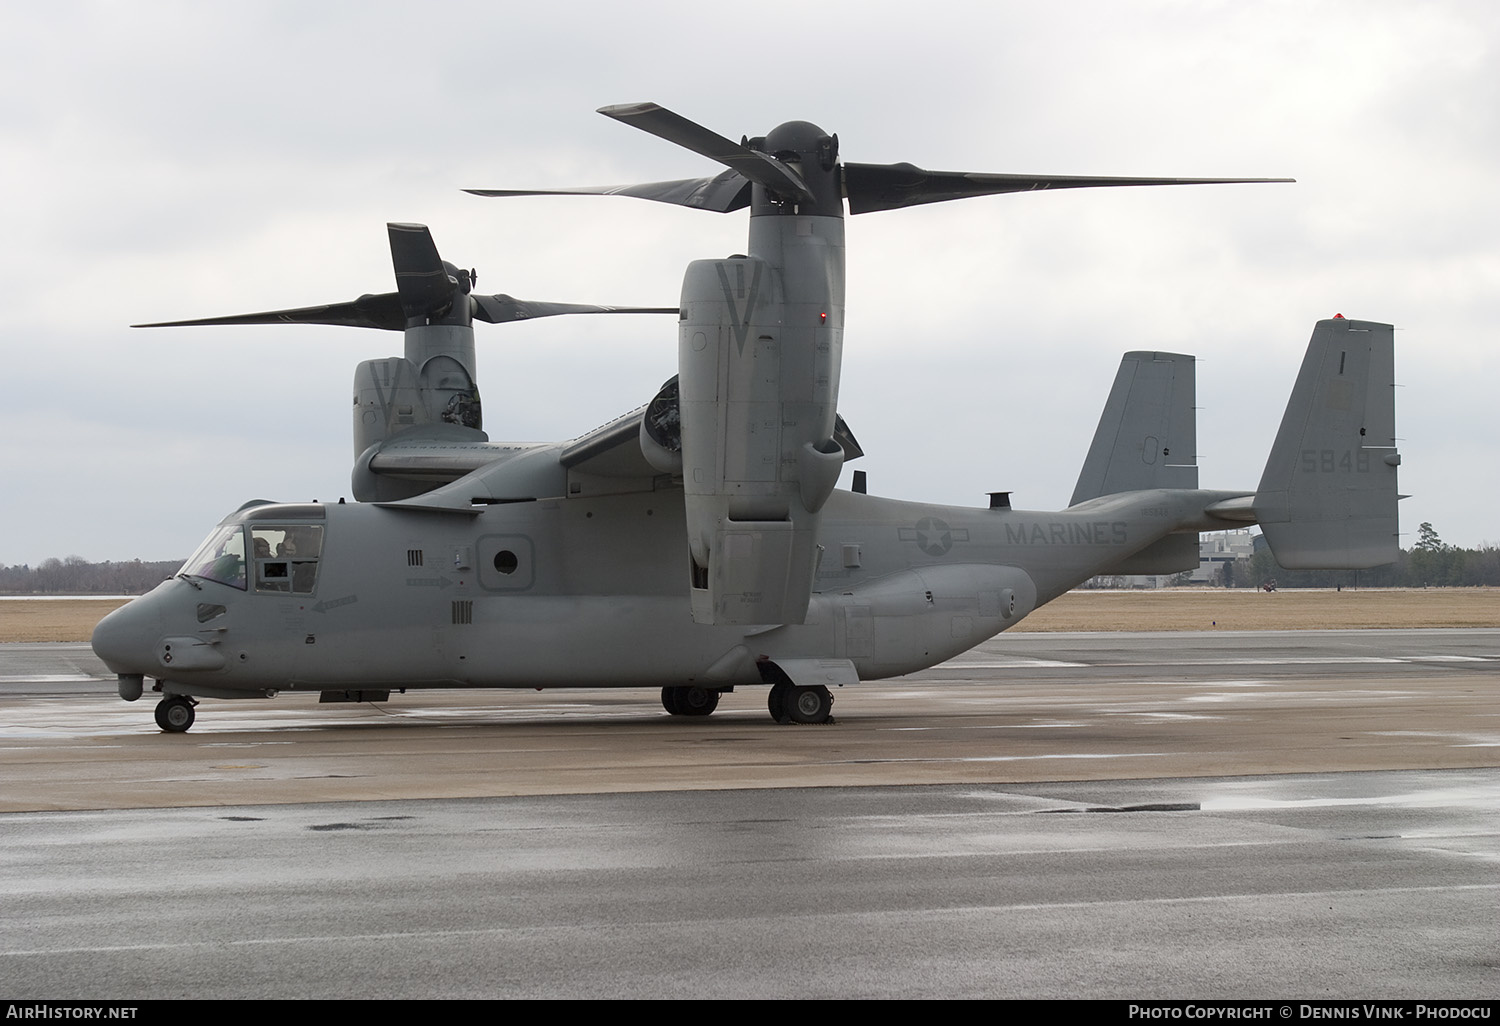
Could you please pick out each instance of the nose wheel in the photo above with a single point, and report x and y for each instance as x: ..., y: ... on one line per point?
x: 175, y: 714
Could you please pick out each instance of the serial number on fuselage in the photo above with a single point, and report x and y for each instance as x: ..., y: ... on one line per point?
x: 1332, y: 461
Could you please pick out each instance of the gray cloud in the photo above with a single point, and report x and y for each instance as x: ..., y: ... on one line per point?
x: 171, y: 160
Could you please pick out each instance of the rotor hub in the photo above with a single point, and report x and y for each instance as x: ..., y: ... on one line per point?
x: 813, y: 154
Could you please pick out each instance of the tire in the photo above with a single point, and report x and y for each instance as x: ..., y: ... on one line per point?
x: 776, y: 702
x: 809, y: 704
x: 689, y: 701
x: 175, y: 714
x: 696, y: 701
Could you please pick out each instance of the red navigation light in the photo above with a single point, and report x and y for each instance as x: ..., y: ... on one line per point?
x: 822, y: 318
x: 1338, y: 317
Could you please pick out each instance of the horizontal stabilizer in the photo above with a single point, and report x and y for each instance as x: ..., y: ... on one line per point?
x: 1327, y: 499
x: 1147, y: 436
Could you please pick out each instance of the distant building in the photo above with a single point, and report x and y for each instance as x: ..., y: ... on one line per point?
x: 1220, y: 547
x: 1214, y: 550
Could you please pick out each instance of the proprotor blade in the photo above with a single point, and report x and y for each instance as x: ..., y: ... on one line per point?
x: 381, y: 311
x: 427, y: 289
x: 501, y: 309
x: 722, y: 193
x: 385, y: 311
x: 889, y: 186
x: 422, y: 283
x: 758, y: 167
x: 421, y: 279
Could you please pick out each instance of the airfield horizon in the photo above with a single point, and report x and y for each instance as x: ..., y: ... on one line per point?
x: 1170, y: 609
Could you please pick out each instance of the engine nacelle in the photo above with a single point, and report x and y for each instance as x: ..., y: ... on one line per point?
x: 758, y: 380
x: 661, y: 430
x: 392, y: 397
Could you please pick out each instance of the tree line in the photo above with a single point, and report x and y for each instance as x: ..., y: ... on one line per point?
x: 77, y: 576
x: 1430, y: 563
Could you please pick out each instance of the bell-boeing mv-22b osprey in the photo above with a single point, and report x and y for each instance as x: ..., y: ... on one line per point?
x: 698, y: 543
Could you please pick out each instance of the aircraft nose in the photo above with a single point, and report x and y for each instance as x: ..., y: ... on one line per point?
x: 125, y: 639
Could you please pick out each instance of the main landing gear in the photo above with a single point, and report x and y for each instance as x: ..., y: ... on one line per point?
x: 689, y: 701
x: 793, y: 703
x: 175, y: 714
x: 788, y: 703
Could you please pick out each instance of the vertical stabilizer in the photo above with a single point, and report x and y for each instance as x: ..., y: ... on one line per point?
x: 1327, y: 499
x: 1147, y: 436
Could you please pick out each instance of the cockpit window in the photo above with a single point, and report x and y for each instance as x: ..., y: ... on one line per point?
x: 286, y: 557
x: 221, y: 558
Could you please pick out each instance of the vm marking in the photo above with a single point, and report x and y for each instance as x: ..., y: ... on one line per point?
x: 741, y: 323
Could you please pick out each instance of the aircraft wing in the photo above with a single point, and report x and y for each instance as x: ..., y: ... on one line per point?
x: 606, y: 460
x: 613, y: 450
x: 610, y: 450
x: 436, y: 460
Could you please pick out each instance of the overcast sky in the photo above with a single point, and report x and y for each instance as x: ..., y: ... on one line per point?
x: 172, y: 160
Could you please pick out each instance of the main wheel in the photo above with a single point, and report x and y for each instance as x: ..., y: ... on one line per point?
x: 776, y: 701
x: 175, y: 714
x: 809, y: 704
x: 696, y: 701
x: 689, y: 701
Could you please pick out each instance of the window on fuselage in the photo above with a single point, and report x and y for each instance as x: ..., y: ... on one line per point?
x: 286, y: 557
x: 221, y: 558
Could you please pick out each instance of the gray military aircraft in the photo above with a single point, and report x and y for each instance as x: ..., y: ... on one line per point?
x: 698, y: 543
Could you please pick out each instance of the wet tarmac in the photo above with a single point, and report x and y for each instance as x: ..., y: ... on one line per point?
x: 1147, y: 816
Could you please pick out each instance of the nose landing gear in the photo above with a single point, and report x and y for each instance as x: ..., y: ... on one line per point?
x: 174, y: 714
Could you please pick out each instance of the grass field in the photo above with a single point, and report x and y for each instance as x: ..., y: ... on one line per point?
x: 1176, y: 609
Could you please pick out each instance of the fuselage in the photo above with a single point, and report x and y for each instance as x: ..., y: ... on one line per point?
x: 590, y: 592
